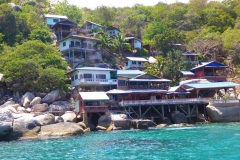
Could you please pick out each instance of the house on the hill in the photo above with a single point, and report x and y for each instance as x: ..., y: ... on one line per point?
x: 113, y: 31
x: 90, y: 27
x: 76, y: 49
x: 51, y: 19
x: 93, y: 78
x: 135, y: 63
x: 133, y: 41
x: 207, y: 70
x: 62, y: 29
x: 191, y: 57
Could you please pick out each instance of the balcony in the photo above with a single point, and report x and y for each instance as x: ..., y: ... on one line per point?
x: 163, y: 101
x: 164, y: 87
x: 91, y: 81
x: 194, y: 62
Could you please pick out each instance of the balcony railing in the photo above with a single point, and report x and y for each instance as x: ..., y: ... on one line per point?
x: 164, y: 87
x: 165, y: 101
x: 92, y: 80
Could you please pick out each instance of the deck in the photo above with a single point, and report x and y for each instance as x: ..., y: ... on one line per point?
x: 132, y: 103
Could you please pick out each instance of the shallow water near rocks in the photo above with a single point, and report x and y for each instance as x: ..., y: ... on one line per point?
x: 208, y: 141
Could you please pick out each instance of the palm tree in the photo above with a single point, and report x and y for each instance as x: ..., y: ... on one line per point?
x: 105, y: 42
x: 155, y: 68
x: 121, y: 44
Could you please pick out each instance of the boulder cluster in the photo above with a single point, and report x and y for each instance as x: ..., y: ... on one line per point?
x: 34, y: 117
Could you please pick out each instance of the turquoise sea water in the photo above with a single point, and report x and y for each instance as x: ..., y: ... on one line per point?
x: 208, y: 141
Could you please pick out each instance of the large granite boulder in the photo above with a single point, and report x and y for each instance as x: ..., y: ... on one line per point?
x: 40, y: 108
x: 52, y: 96
x: 166, y: 121
x: 60, y: 106
x: 36, y: 100
x: 21, y: 110
x: 69, y: 116
x: 25, y: 126
x: 178, y: 117
x: 3, y: 91
x: 45, y: 119
x: 26, y: 99
x: 9, y: 108
x: 6, y: 119
x: 104, y: 121
x: 60, y: 129
x: 224, y: 112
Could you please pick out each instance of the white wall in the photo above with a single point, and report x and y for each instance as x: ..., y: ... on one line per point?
x: 68, y: 42
x: 137, y: 44
x: 131, y: 64
x: 93, y: 72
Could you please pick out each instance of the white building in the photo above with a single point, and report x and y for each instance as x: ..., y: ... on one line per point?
x: 93, y: 78
x: 51, y: 19
x: 135, y: 63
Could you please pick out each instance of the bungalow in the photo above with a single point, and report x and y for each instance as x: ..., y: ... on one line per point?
x: 142, y: 87
x: 113, y: 31
x: 191, y: 57
x: 133, y: 41
x: 93, y: 79
x: 63, y: 28
x: 76, y: 48
x: 207, y: 70
x: 90, y: 27
x: 51, y: 19
x: 135, y: 63
x: 89, y: 103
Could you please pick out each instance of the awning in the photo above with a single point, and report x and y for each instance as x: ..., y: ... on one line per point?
x: 94, y: 96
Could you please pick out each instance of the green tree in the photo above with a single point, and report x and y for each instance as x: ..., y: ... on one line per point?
x: 155, y: 68
x: 173, y: 63
x: 121, y: 44
x: 28, y: 63
x: 105, y: 15
x: 73, y: 12
x: 165, y: 40
x: 42, y: 35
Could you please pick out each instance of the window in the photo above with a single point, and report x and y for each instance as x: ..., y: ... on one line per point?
x: 55, y: 20
x: 72, y: 78
x: 101, y: 76
x: 110, y: 33
x: 64, y: 44
x: 133, y: 62
x: 87, y: 75
x: 139, y: 63
x: 122, y: 83
x: 126, y: 63
x: 77, y: 44
x: 76, y: 76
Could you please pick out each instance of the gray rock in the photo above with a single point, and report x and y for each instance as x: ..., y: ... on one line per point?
x: 40, y: 107
x: 104, y: 121
x: 36, y: 100
x: 28, y: 110
x: 60, y: 106
x: 178, y: 117
x: 6, y: 119
x: 21, y: 110
x: 58, y: 119
x: 51, y: 97
x: 45, y: 119
x: 166, y: 121
x: 25, y: 126
x: 6, y: 116
x: 26, y: 99
x: 69, y: 116
x: 60, y: 129
x: 10, y: 109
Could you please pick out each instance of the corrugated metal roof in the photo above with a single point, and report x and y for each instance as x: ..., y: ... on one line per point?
x: 94, y: 96
x: 212, y: 85
x: 187, y: 73
x: 129, y: 72
x: 95, y: 69
x: 210, y: 64
x: 137, y: 59
x: 119, y: 91
x: 80, y: 37
x: 190, y: 53
x: 150, y: 80
x: 55, y: 16
x: 173, y: 89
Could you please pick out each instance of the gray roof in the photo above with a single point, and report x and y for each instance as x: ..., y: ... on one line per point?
x: 137, y: 59
x: 121, y: 91
x: 187, y: 73
x: 129, y: 72
x: 212, y: 85
x: 150, y: 80
x: 95, y: 69
x: 94, y: 96
x: 55, y: 16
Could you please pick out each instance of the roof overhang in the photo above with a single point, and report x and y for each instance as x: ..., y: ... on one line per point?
x: 94, y: 96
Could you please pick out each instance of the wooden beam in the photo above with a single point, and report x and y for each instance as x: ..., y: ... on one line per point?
x: 157, y: 111
x: 146, y: 111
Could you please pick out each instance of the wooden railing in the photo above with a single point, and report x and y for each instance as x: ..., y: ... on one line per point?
x: 163, y: 101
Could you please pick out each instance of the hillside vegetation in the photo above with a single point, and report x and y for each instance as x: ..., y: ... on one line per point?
x: 209, y: 28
